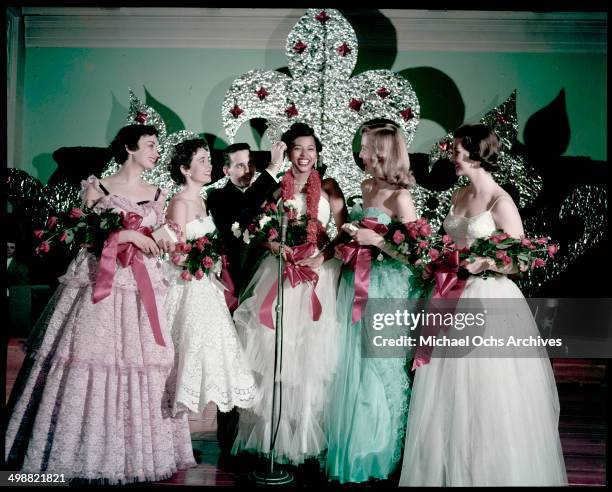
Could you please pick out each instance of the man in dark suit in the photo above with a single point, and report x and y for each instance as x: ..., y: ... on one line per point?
x: 240, y: 201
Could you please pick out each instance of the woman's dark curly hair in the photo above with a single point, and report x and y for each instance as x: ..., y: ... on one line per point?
x: 482, y: 143
x: 300, y: 130
x: 128, y: 137
x: 182, y: 155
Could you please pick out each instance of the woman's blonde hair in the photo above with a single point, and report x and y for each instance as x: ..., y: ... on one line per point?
x: 390, y: 151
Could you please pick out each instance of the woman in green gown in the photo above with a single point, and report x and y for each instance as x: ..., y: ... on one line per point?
x: 367, y: 419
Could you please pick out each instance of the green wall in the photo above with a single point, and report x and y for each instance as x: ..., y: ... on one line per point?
x: 79, y: 97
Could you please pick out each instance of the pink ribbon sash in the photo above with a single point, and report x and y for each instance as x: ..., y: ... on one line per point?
x: 128, y: 255
x: 447, y: 286
x: 230, y: 290
x: 358, y: 258
x: 296, y: 274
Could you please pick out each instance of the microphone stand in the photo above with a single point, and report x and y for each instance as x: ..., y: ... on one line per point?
x: 276, y: 476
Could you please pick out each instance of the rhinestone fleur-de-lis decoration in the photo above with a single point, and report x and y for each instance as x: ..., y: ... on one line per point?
x: 322, y: 53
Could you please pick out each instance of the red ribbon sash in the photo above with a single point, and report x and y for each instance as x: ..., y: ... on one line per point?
x: 230, y: 290
x: 128, y: 255
x: 447, y: 286
x: 358, y: 258
x: 296, y: 274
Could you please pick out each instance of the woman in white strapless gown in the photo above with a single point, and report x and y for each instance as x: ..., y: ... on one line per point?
x: 483, y: 420
x: 210, y: 364
x: 309, y: 347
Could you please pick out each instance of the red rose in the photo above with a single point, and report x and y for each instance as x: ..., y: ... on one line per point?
x: 398, y: 237
x: 51, y: 222
x: 63, y: 236
x: 425, y: 230
x: 542, y: 240
x: 552, y: 250
x: 272, y: 235
x: 187, y: 247
x: 44, y: 247
x: 423, y: 244
x: 176, y: 259
x: 207, y: 262
x: 75, y: 213
x: 199, y: 274
x: 433, y: 254
x: 185, y: 275
x: 525, y: 242
x: 538, y: 262
x: 38, y: 233
x: 446, y: 239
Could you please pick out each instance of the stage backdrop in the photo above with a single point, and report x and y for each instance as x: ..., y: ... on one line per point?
x: 69, y: 79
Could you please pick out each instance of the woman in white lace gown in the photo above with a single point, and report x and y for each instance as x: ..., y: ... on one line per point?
x: 309, y: 347
x: 484, y: 419
x: 210, y: 364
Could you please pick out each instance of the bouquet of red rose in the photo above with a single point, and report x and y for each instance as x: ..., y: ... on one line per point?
x: 410, y: 239
x: 504, y: 254
x: 198, y: 257
x: 266, y: 226
x: 80, y: 226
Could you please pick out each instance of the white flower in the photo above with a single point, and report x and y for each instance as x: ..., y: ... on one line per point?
x: 236, y: 229
x: 264, y: 220
x: 380, y: 257
x: 293, y: 204
x: 246, y: 237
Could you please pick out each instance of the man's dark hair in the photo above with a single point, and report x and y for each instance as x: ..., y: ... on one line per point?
x: 234, y: 148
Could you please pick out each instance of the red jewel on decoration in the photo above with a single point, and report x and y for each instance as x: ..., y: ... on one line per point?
x: 406, y: 114
x: 291, y: 111
x: 344, y: 49
x: 141, y: 117
x: 299, y: 47
x: 443, y: 145
x: 262, y: 93
x: 322, y: 17
x: 236, y: 111
x: 383, y: 92
x: 355, y: 104
x: 501, y: 118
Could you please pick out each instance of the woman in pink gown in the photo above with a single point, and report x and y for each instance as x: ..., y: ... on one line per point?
x: 93, y: 406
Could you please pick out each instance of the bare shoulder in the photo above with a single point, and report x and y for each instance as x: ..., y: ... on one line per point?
x: 457, y: 193
x: 403, y: 196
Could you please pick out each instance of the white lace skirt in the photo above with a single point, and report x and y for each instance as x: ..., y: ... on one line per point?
x: 210, y: 364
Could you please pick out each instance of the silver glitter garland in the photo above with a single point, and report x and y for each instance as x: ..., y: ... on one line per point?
x: 512, y: 167
x: 587, y: 204
x: 322, y: 53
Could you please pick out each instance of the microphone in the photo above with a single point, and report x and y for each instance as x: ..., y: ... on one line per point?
x: 284, y: 222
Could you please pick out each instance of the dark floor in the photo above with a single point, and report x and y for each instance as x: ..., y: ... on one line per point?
x: 582, y: 426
